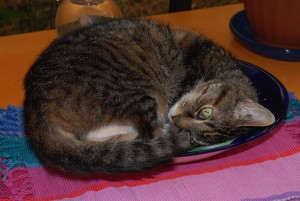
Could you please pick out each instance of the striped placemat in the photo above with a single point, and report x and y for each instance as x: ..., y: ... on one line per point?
x: 265, y: 169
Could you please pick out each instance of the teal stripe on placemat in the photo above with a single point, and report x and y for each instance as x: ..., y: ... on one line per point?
x: 17, y: 149
x: 294, y: 111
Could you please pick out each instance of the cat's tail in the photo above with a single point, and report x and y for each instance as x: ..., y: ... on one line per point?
x: 59, y: 150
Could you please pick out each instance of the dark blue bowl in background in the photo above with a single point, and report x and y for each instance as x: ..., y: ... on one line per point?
x: 240, y: 27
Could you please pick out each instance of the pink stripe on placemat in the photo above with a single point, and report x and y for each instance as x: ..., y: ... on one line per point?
x: 293, y: 129
x: 269, y: 147
x: 47, y: 184
x: 271, y: 177
x: 17, y: 184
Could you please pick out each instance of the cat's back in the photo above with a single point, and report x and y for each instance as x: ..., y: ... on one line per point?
x: 145, y: 39
x: 113, y: 68
x: 141, y: 48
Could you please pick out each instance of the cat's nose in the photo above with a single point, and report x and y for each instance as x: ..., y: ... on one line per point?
x: 175, y: 119
x: 181, y: 121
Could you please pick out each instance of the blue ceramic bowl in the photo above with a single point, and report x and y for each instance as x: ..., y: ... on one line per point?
x: 272, y: 95
x: 240, y: 27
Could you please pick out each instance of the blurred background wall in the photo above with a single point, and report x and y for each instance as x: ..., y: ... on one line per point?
x: 20, y: 16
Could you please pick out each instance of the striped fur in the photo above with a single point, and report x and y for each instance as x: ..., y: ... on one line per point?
x: 127, y: 74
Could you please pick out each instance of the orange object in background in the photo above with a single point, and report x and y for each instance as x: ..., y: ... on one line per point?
x: 69, y: 11
x: 18, y: 52
x: 275, y: 22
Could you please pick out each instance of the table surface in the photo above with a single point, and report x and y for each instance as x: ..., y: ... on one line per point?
x: 18, y: 52
x: 264, y: 169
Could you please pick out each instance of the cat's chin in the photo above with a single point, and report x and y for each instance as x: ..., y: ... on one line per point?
x: 199, y: 142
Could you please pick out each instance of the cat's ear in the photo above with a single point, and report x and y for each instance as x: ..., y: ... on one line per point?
x: 249, y: 113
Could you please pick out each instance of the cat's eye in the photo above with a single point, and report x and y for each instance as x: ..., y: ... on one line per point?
x: 204, y: 113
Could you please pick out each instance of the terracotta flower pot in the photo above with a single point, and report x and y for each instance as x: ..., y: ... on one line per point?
x: 275, y: 22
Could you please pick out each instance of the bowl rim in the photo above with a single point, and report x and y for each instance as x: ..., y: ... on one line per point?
x: 285, y: 54
x: 249, y: 137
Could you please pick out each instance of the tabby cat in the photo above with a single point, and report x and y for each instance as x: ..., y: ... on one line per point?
x: 130, y: 94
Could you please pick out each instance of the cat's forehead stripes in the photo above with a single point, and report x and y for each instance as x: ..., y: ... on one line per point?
x: 194, y: 95
x: 221, y: 96
x: 204, y: 90
x: 209, y: 90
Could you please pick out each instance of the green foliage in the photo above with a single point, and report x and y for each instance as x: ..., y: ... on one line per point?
x: 27, y: 16
x: 7, y: 14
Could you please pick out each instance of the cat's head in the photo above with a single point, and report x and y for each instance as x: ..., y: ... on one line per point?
x: 216, y: 111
